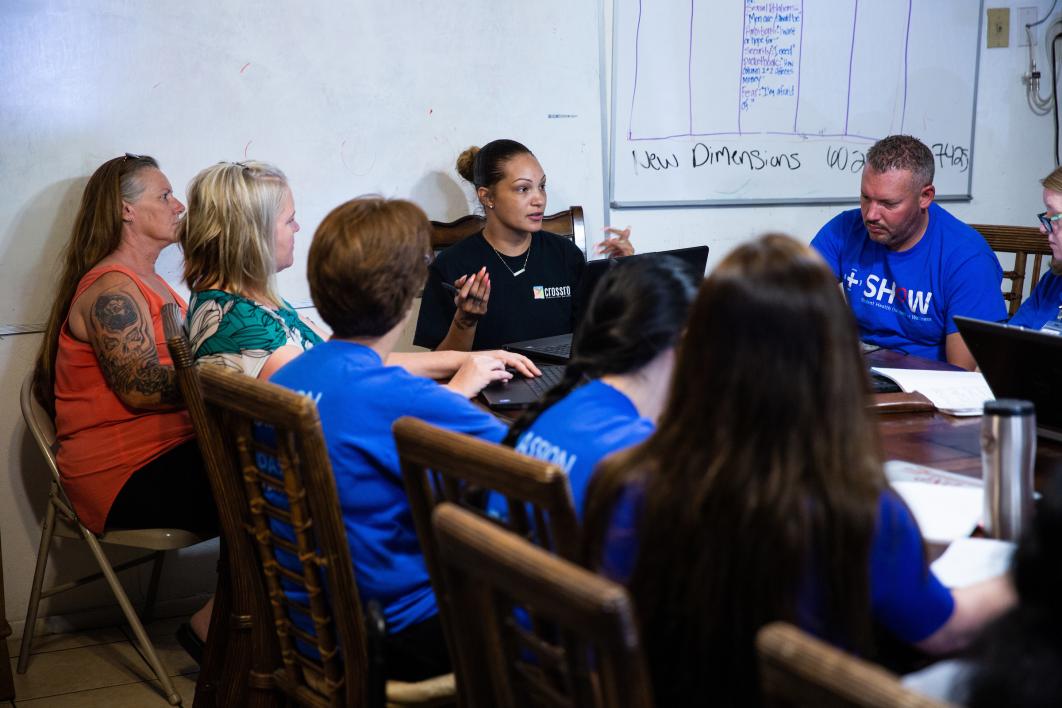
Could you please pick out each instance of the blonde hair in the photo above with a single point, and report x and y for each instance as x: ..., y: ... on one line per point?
x: 228, y: 233
x: 1053, y: 181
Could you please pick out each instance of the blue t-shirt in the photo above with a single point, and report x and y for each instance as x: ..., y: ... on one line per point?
x: 906, y: 300
x: 1043, y: 305
x: 577, y: 432
x: 358, y: 399
x: 905, y: 597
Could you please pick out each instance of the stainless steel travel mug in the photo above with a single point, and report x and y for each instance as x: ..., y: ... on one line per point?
x: 1008, y: 450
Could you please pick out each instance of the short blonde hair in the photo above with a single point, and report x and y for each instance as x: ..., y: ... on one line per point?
x: 1053, y: 181
x: 228, y: 233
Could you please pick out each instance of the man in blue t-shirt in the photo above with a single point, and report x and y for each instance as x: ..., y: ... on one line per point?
x: 906, y: 265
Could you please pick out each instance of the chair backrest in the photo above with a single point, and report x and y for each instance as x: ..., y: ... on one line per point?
x: 439, y: 465
x: 568, y: 223
x: 244, y: 642
x: 590, y: 653
x: 797, y: 669
x: 41, y: 426
x: 272, y: 441
x: 1023, y: 242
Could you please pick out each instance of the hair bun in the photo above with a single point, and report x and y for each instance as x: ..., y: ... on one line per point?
x: 466, y: 162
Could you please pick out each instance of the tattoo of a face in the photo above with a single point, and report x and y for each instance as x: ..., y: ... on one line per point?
x: 116, y: 311
x: 125, y: 349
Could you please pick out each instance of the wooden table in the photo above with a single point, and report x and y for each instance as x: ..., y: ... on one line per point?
x: 943, y: 441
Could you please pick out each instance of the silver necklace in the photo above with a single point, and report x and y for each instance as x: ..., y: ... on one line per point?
x: 511, y: 271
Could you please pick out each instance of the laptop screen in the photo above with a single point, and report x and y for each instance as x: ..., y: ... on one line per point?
x: 1019, y: 363
x: 695, y: 258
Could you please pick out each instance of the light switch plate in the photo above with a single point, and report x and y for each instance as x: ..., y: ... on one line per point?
x: 998, y: 27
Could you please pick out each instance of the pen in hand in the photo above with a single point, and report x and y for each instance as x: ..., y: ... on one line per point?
x: 456, y: 291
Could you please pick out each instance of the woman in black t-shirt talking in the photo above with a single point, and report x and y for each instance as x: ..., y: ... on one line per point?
x: 513, y: 281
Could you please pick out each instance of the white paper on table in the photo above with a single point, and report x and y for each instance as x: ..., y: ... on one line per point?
x: 959, y: 393
x: 971, y: 560
x: 901, y: 471
x: 943, y: 513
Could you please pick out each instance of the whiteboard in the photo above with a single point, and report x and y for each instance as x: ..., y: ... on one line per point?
x: 748, y: 101
x: 346, y: 96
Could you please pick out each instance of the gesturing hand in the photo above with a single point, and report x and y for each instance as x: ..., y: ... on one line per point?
x: 617, y: 244
x: 471, y: 296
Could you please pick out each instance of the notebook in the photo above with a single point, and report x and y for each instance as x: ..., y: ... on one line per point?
x: 558, y: 348
x: 1020, y: 363
x: 520, y: 392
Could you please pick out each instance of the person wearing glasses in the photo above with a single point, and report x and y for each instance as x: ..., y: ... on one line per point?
x: 906, y: 265
x: 1043, y: 309
x: 238, y: 234
x: 127, y: 452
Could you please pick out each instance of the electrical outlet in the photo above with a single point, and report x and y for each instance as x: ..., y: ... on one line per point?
x: 1026, y: 16
x: 998, y: 27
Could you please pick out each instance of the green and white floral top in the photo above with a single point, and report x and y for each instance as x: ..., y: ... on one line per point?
x: 239, y: 333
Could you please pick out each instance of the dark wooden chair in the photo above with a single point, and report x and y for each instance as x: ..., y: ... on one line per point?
x: 567, y: 223
x: 1024, y: 242
x: 590, y: 653
x: 440, y: 465
x: 269, y: 456
x: 238, y: 600
x: 797, y: 669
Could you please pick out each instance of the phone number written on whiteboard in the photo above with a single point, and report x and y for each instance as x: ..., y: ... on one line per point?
x: 836, y: 157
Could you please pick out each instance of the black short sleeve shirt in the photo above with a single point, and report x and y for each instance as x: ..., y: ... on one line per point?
x: 536, y: 303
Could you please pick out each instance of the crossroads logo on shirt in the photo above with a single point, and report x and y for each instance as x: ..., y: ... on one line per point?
x: 879, y: 290
x: 541, y: 292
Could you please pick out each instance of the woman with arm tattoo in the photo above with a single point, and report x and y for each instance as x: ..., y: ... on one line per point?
x: 127, y: 452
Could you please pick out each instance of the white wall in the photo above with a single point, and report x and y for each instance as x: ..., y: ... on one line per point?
x: 1012, y: 151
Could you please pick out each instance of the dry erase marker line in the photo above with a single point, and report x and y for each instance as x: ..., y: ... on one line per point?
x: 562, y: 115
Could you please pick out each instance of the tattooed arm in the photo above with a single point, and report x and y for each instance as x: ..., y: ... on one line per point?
x: 117, y: 323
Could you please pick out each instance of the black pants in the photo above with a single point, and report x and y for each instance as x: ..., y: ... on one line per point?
x: 171, y: 491
x: 417, y: 652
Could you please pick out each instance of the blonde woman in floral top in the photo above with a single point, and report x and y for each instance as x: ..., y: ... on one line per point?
x: 238, y: 233
x: 242, y: 334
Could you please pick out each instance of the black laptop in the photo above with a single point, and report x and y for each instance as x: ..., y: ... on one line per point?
x: 558, y: 348
x: 520, y: 392
x: 1020, y: 363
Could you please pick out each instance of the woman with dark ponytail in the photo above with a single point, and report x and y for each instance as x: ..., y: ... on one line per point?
x: 511, y: 281
x: 617, y: 379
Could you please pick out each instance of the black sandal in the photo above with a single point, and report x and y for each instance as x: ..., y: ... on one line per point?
x: 190, y: 643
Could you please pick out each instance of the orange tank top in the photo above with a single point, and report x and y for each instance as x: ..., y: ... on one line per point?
x: 101, y: 440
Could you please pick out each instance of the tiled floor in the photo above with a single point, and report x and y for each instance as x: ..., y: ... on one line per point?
x: 101, y: 668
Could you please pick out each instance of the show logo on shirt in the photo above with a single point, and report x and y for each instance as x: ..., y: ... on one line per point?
x: 543, y: 292
x: 879, y: 291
